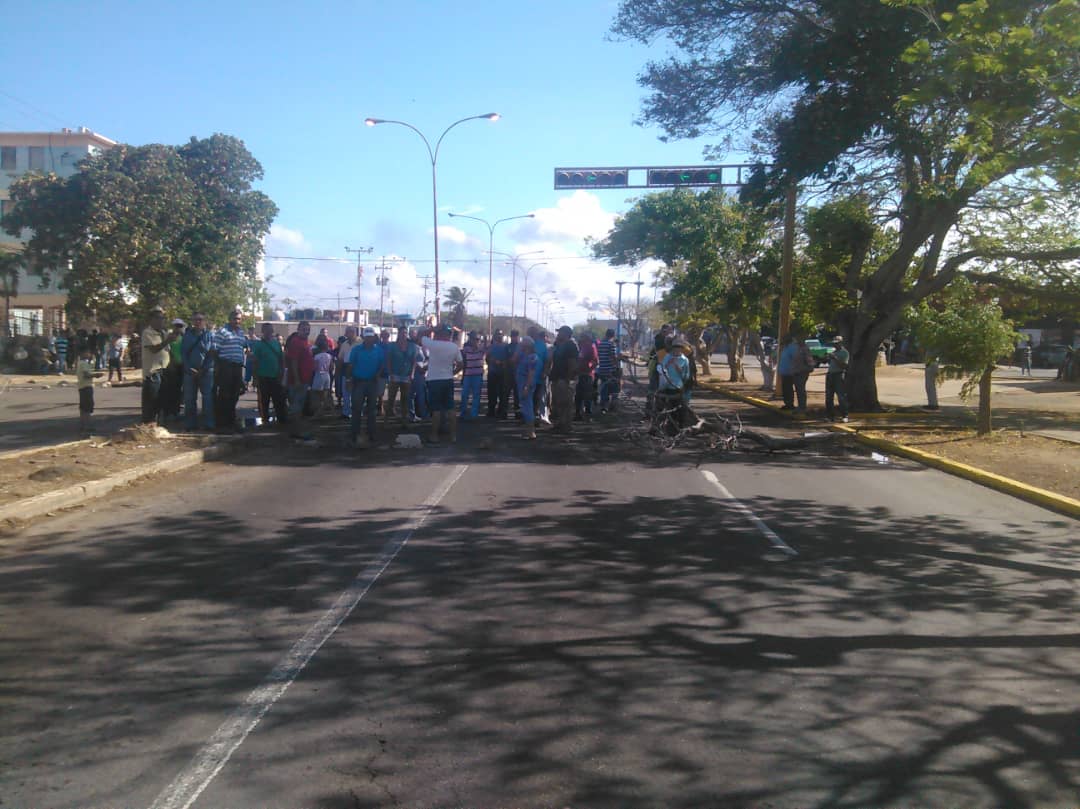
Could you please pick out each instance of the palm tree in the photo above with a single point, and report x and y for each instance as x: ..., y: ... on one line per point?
x: 457, y: 298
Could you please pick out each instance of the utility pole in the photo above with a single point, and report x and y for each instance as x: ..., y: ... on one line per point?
x: 382, y: 282
x: 618, y: 318
x: 637, y: 317
x: 361, y: 251
x: 426, y: 280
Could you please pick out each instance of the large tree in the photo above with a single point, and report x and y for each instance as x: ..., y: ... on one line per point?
x: 719, y: 262
x: 138, y: 226
x: 940, y: 113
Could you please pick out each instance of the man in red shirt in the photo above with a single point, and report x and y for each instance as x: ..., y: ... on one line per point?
x: 300, y: 365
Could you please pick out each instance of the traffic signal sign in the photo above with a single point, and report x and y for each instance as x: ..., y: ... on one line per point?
x: 702, y: 175
x: 591, y: 178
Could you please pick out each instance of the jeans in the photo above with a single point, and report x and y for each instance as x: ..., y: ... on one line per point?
x: 344, y: 392
x: 834, y: 386
x: 562, y: 403
x: 607, y: 388
x: 787, y: 389
x: 298, y: 395
x: 193, y: 386
x: 151, y: 392
x: 470, y: 388
x: 497, y: 394
x: 800, y: 389
x: 583, y: 395
x: 400, y: 390
x: 418, y: 406
x: 271, y: 390
x: 365, y: 401
x: 228, y: 379
x: 61, y: 363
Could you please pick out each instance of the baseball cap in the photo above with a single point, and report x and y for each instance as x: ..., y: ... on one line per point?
x: 178, y: 322
x: 369, y: 331
x: 157, y: 310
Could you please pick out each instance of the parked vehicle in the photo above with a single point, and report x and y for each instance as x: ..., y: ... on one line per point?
x: 819, y: 352
x: 1047, y: 355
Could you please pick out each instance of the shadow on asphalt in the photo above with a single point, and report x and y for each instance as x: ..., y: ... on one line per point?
x: 546, y: 641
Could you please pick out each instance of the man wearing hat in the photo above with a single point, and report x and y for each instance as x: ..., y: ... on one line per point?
x: 155, y: 342
x: 835, y: 380
x: 366, y: 362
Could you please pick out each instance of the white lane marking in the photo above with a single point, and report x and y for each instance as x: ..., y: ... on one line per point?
x: 743, y: 509
x: 209, y: 761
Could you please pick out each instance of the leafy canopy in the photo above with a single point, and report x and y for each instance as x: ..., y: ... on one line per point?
x: 139, y: 226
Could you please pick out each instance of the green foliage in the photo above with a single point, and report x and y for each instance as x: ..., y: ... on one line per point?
x: 457, y: 298
x: 941, y: 114
x: 719, y: 261
x: 966, y: 333
x: 141, y: 226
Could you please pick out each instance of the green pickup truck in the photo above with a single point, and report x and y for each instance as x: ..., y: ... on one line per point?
x: 819, y: 352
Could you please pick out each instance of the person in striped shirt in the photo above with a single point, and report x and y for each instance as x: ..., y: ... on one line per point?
x: 472, y: 379
x: 607, y: 364
x: 231, y: 343
x: 62, y: 346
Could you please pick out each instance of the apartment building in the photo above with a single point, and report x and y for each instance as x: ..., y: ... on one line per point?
x: 38, y: 308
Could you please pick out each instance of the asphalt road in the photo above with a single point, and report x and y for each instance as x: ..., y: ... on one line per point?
x: 578, y: 623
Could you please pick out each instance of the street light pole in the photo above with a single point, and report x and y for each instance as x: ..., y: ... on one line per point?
x: 434, y: 155
x: 618, y: 317
x: 491, y: 246
x: 525, y: 291
x: 513, y: 282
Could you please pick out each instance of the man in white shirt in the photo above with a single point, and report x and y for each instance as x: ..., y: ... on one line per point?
x: 444, y: 360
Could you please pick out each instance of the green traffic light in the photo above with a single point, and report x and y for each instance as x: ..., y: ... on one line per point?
x: 590, y: 178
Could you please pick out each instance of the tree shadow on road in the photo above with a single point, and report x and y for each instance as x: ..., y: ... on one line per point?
x: 604, y: 650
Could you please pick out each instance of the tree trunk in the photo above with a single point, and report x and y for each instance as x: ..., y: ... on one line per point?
x: 701, y: 351
x: 862, y: 380
x: 984, y: 421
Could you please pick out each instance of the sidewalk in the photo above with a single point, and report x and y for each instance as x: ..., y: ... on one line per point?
x: 1033, y: 453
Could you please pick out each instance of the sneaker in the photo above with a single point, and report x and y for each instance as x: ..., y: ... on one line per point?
x: 844, y: 419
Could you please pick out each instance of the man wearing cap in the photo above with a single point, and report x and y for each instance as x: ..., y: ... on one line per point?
x: 472, y: 378
x: 231, y: 344
x: 155, y: 342
x: 444, y: 360
x: 834, y: 380
x: 366, y: 363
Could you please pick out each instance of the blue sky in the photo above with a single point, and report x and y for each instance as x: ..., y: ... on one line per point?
x: 295, y: 82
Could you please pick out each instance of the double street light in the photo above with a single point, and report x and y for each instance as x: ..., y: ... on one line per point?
x: 434, y: 155
x: 491, y: 247
x: 514, y: 259
x: 525, y: 292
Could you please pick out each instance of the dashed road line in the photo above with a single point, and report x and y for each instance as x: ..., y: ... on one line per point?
x: 743, y: 509
x: 209, y: 761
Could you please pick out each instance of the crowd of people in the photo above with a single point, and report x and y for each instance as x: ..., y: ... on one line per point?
x: 194, y: 375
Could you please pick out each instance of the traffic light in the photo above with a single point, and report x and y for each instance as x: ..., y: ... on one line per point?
x: 591, y: 178
x: 665, y: 178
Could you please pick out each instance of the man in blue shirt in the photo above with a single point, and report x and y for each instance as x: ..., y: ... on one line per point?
x: 786, y: 368
x: 366, y: 363
x: 197, y: 361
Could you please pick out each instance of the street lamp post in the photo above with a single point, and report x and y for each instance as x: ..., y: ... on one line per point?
x: 514, y: 259
x: 491, y: 246
x: 434, y: 155
x: 525, y: 290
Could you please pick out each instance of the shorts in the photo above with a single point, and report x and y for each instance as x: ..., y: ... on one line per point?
x: 321, y: 381
x: 440, y: 395
x: 86, y: 400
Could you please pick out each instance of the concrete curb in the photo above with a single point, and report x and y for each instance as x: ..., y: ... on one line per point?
x: 81, y: 493
x: 1032, y: 494
x: 11, y: 455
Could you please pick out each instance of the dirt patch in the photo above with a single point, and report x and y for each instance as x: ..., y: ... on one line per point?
x: 48, y: 470
x: 1032, y: 459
